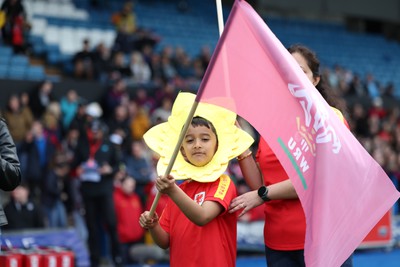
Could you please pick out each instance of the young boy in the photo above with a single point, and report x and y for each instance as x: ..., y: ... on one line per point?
x: 195, y: 224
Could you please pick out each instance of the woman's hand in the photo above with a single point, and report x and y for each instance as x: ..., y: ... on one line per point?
x: 247, y: 201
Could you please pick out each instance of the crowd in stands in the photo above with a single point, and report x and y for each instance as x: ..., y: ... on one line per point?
x: 14, y: 25
x: 49, y: 132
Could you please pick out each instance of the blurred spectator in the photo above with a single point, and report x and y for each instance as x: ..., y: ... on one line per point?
x: 35, y: 152
x: 129, y: 36
x: 356, y: 87
x: 125, y: 19
x: 140, y: 120
x: 102, y: 62
x: 13, y: 11
x: 22, y: 212
x: 389, y: 90
x: 24, y: 99
x: 144, y: 99
x: 141, y: 72
x: 372, y: 86
x: 377, y: 108
x: 148, y: 52
x: 97, y: 161
x: 183, y: 64
x: 119, y: 125
x: 166, y: 91
x: 52, y: 122
x: 19, y: 119
x: 168, y: 69
x: 83, y: 62
x: 360, y: 121
x: 20, y: 36
x: 119, y: 68
x: 73, y: 202
x: 52, y: 193
x: 40, y: 98
x: 162, y: 113
x: 93, y: 111
x: 128, y: 207
x: 205, y: 56
x: 115, y: 95
x: 139, y: 165
x: 126, y: 26
x: 79, y: 120
x: 156, y: 69
x: 69, y: 105
x: 334, y: 77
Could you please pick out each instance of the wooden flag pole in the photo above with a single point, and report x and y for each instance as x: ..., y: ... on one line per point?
x: 175, y: 153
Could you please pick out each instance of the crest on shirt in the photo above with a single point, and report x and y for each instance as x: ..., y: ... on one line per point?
x: 199, y: 197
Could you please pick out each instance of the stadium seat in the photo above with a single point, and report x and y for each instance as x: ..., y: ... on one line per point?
x: 16, y: 72
x: 35, y: 73
x: 52, y: 35
x: 5, y: 51
x: 19, y: 61
x: 3, y: 70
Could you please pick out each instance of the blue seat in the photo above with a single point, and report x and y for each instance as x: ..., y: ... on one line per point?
x: 5, y: 51
x: 3, y: 70
x: 19, y: 60
x: 35, y: 73
x: 54, y: 57
x: 16, y: 72
x: 5, y: 59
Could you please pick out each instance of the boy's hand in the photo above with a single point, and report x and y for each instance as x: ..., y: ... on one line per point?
x: 148, y: 222
x: 165, y: 184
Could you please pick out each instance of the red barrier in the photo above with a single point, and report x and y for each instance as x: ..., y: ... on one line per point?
x: 11, y: 259
x: 381, y: 235
x: 38, y: 257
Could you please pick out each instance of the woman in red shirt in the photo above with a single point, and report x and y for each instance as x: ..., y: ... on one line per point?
x: 285, y: 225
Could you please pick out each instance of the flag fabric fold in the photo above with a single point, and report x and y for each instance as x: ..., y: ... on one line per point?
x: 343, y: 190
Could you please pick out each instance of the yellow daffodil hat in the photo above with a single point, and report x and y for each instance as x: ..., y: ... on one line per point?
x: 163, y: 138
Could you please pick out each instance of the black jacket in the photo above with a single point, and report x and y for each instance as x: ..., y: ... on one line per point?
x: 10, y: 173
x: 107, y: 153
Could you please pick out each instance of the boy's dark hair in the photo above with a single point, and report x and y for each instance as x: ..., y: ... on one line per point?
x: 200, y: 121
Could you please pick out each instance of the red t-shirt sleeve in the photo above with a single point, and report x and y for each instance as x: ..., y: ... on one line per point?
x: 222, y: 191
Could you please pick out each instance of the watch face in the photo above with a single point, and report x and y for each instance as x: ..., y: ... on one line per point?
x: 263, y: 193
x: 262, y: 190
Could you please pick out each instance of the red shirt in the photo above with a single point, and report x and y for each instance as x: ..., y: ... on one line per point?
x: 285, y: 222
x: 128, y: 209
x: 212, y: 245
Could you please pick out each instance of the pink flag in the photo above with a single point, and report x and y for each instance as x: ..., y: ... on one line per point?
x: 343, y: 191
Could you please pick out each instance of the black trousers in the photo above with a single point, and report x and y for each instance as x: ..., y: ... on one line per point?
x: 100, y: 212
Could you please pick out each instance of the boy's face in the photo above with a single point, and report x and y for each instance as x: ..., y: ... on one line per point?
x: 199, y: 145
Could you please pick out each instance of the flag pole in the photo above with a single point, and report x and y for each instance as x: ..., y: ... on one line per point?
x: 175, y: 153
x: 188, y: 120
x: 220, y: 17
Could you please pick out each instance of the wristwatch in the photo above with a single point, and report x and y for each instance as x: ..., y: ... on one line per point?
x: 263, y: 193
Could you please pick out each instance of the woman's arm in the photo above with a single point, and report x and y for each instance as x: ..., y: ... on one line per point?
x: 250, y: 200
x: 250, y: 170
